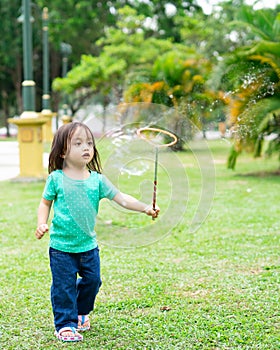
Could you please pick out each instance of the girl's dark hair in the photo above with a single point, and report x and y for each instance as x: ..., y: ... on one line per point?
x: 61, y: 143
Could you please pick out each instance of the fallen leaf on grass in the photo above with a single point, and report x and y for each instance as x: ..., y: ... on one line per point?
x: 165, y: 308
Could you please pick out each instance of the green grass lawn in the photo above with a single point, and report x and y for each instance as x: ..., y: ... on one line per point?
x: 215, y: 287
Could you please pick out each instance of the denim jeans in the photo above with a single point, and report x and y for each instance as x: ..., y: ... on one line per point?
x: 72, y: 296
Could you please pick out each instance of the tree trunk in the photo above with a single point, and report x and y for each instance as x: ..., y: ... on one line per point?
x: 5, y: 106
x: 16, y: 76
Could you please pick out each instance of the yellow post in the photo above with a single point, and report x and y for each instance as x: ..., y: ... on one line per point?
x: 66, y: 119
x: 47, y: 127
x: 30, y: 139
x: 30, y: 123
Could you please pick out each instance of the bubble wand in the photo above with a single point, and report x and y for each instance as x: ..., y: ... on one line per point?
x: 143, y: 133
x: 155, y: 180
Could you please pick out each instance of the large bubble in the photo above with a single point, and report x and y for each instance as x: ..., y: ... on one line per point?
x: 130, y: 163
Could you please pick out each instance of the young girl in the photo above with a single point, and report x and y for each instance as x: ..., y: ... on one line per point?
x: 75, y: 186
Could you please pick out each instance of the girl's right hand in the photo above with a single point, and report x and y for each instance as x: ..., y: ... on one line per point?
x: 41, y: 230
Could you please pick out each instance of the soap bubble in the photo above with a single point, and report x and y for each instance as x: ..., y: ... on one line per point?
x: 129, y: 163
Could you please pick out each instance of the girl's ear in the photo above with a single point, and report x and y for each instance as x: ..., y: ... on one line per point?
x: 62, y: 156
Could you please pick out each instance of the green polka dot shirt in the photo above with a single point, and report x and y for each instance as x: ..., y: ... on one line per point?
x: 75, y: 207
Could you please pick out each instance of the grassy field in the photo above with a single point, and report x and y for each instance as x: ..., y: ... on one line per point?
x: 216, y: 287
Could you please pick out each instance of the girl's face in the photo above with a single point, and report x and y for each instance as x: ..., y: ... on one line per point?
x: 81, y: 146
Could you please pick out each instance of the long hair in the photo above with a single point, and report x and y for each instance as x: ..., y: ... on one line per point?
x: 61, y: 143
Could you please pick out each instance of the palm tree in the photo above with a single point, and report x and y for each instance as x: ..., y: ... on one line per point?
x: 179, y: 82
x: 252, y: 73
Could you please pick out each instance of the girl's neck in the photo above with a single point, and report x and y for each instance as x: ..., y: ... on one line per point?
x: 76, y: 173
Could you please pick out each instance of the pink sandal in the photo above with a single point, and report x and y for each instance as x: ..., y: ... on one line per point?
x: 69, y: 338
x: 83, y: 323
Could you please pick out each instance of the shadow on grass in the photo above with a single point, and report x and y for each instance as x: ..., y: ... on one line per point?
x: 261, y: 174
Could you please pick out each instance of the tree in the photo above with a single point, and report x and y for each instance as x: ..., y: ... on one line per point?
x: 76, y: 30
x: 126, y: 55
x: 161, y: 15
x: 137, y: 68
x: 178, y: 80
x: 252, y: 74
x: 79, y: 23
x: 10, y: 59
x: 210, y: 35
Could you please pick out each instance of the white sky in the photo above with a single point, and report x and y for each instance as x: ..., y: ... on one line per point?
x: 207, y: 4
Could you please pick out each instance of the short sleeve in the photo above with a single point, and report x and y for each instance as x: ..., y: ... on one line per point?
x: 106, y: 188
x: 49, y: 192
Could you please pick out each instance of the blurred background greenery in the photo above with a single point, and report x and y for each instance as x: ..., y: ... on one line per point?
x: 219, y: 69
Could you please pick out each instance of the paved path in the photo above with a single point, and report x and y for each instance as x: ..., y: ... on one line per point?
x: 9, y: 160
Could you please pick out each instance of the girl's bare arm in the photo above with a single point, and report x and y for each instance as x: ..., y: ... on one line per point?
x: 129, y: 202
x: 43, y: 215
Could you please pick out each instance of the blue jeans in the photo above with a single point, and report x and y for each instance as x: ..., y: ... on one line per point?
x: 72, y: 296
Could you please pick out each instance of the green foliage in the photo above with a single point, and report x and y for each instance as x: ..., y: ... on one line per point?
x: 169, y: 68
x: 79, y: 23
x: 263, y: 23
x: 164, y: 21
x: 232, y: 158
x: 178, y: 80
x: 119, y: 45
x: 126, y: 56
x: 212, y: 35
x: 175, y: 70
x: 252, y: 74
x: 270, y: 125
x: 10, y: 56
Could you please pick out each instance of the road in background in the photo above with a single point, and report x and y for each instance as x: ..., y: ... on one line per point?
x: 9, y: 160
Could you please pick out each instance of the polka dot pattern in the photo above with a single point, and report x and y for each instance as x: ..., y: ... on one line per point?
x: 75, y: 205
